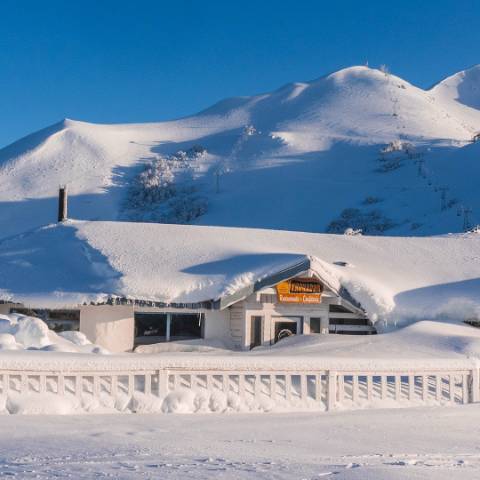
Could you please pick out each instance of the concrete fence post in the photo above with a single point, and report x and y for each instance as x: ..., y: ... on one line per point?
x: 332, y: 390
x: 162, y: 383
x: 475, y: 385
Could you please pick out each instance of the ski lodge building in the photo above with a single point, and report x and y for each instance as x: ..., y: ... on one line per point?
x: 128, y: 284
x: 291, y: 301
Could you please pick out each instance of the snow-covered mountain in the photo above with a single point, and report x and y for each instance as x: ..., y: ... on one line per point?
x: 358, y: 148
x: 463, y: 87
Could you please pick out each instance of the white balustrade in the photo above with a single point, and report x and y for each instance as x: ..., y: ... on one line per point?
x: 325, y: 389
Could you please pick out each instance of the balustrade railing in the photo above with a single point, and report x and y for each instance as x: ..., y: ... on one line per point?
x: 322, y: 390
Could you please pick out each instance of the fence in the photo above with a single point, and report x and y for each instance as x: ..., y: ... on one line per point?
x: 322, y: 390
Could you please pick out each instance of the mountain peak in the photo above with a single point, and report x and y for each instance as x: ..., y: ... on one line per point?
x: 463, y: 87
x: 301, y: 138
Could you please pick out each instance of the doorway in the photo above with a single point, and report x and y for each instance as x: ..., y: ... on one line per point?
x: 255, y: 331
x: 285, y: 327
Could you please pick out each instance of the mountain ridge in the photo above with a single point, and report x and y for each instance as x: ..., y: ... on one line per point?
x: 318, y: 143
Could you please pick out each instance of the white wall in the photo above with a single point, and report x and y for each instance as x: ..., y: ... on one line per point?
x: 110, y: 326
x: 217, y: 325
x: 5, y: 307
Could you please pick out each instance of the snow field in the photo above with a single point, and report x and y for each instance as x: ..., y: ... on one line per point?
x: 434, y: 444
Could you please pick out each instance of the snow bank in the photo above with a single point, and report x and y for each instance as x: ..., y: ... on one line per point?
x: 21, y: 332
x: 179, y: 401
x: 196, y: 345
x: 409, y: 344
x: 427, y: 345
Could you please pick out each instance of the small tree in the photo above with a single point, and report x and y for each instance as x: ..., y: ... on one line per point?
x: 384, y: 69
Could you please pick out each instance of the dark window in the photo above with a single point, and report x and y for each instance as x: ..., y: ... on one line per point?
x: 314, y: 325
x: 352, y: 332
x: 338, y: 309
x: 348, y: 321
x: 62, y: 320
x: 150, y: 327
x: 355, y: 332
x: 186, y: 325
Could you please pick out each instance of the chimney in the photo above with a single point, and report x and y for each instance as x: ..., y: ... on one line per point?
x: 62, y: 203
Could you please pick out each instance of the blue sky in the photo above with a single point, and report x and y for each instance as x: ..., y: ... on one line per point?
x: 117, y: 61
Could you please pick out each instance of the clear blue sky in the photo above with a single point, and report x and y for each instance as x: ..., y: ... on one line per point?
x: 135, y: 61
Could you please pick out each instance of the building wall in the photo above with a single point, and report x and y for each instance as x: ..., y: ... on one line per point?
x: 269, y: 312
x: 217, y: 326
x: 238, y: 324
x: 241, y: 313
x: 5, y: 307
x: 111, y: 327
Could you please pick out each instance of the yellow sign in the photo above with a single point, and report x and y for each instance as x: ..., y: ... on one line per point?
x: 300, y: 290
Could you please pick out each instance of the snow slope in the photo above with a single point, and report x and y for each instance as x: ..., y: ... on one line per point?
x: 312, y: 150
x: 392, y: 277
x: 463, y: 87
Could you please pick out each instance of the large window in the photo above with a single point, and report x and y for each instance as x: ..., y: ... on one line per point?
x: 186, y: 325
x: 164, y: 327
x: 150, y: 327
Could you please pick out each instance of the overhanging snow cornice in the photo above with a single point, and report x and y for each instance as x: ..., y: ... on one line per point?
x: 268, y: 281
x: 345, y: 298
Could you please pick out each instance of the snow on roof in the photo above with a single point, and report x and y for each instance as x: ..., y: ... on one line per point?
x: 77, y: 262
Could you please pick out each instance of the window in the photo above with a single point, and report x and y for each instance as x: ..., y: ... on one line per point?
x: 185, y: 326
x: 314, y: 324
x: 61, y: 320
x: 268, y: 298
x: 163, y: 327
x: 349, y: 321
x: 150, y: 327
x: 338, y: 309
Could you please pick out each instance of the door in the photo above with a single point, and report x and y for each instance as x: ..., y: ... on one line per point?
x: 255, y: 331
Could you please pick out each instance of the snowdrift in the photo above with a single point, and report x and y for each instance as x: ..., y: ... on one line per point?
x: 393, y: 278
x: 424, y: 345
x: 21, y: 332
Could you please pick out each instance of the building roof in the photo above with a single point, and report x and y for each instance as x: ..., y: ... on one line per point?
x: 81, y: 262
